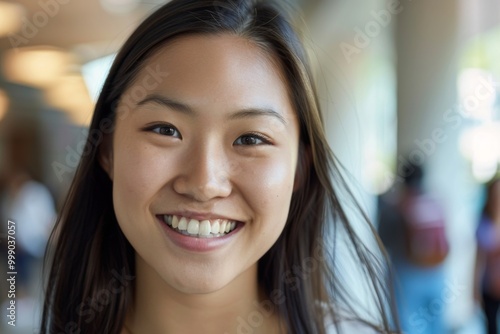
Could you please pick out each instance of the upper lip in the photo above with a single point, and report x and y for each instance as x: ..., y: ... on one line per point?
x: 201, y: 215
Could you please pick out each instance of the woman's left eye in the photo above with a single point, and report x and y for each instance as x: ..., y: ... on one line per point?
x: 165, y: 130
x: 251, y: 140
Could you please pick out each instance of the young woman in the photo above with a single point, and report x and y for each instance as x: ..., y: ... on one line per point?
x: 487, y: 273
x: 207, y: 198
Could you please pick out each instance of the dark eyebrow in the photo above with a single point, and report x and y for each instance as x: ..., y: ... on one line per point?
x: 184, y: 108
x: 255, y: 112
x: 166, y: 102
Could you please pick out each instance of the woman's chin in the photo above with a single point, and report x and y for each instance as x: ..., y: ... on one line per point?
x: 213, y: 281
x: 198, y: 287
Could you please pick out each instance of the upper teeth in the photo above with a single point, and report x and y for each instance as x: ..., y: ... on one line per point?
x: 204, y: 228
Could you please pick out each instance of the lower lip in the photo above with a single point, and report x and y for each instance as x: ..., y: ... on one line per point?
x: 195, y: 244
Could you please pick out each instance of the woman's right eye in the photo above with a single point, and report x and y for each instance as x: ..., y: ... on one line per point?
x: 165, y: 130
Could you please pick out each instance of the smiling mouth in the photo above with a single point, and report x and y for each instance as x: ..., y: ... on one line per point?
x: 214, y: 228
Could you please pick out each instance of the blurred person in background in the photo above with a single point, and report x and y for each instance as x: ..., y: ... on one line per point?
x: 487, y: 269
x: 27, y: 202
x: 412, y: 228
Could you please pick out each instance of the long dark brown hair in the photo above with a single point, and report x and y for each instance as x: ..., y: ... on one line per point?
x: 91, y: 266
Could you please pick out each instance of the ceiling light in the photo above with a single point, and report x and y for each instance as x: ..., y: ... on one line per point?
x: 10, y: 18
x: 70, y: 94
x: 37, y: 67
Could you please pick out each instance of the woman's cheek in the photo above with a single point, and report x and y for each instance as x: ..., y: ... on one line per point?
x: 139, y: 174
x: 269, y: 185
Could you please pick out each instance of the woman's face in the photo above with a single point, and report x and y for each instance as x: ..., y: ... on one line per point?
x: 206, y: 142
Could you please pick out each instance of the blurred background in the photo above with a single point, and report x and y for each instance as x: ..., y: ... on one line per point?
x: 402, y: 83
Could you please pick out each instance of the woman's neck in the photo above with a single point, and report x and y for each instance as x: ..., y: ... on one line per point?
x: 239, y: 307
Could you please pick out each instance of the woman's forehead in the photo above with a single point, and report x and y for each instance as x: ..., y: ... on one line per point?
x: 204, y: 69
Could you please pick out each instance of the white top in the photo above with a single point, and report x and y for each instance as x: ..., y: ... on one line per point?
x: 33, y: 211
x: 351, y: 327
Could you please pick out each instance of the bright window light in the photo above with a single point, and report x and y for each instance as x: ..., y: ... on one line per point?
x: 95, y: 73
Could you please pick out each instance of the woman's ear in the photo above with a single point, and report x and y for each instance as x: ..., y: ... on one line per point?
x: 105, y: 156
x: 303, y: 166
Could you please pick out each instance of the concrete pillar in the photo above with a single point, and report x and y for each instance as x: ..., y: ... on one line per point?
x: 429, y: 126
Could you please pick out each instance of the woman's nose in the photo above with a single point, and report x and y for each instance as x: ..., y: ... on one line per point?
x: 205, y: 174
